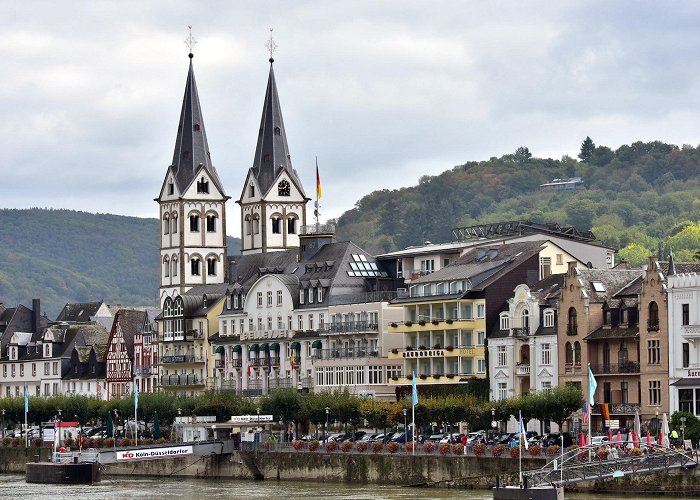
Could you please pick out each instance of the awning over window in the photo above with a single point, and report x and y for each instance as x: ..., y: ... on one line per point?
x: 219, y: 350
x: 238, y: 349
x: 296, y: 345
x: 265, y: 347
x: 275, y: 347
x: 316, y: 344
x: 254, y: 347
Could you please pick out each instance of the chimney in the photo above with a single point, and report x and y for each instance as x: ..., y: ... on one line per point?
x: 36, y: 315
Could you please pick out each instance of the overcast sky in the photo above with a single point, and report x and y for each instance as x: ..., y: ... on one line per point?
x: 382, y: 92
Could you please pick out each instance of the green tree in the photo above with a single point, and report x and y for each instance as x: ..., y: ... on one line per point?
x: 587, y: 148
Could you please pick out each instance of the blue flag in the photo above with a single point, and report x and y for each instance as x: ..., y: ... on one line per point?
x: 523, y: 434
x: 136, y: 395
x: 26, y: 399
x: 592, y: 386
x: 414, y: 399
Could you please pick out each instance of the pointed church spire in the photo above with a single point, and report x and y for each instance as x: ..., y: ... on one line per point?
x: 272, y: 151
x: 191, y: 147
x: 671, y: 264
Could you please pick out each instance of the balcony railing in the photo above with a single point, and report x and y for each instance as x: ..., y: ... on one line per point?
x: 190, y: 379
x: 317, y: 229
x: 616, y: 368
x: 307, y: 383
x: 653, y: 325
x: 236, y: 363
x: 194, y: 335
x: 281, y: 383
x: 348, y: 327
x: 625, y: 409
x: 179, y: 358
x: 521, y: 332
x: 522, y: 370
x: 572, y: 368
x: 340, y: 353
x: 144, y: 371
x: 219, y: 363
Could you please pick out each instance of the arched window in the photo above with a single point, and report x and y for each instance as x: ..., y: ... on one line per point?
x: 248, y: 225
x: 504, y: 320
x: 622, y: 354
x: 569, y: 353
x: 166, y: 266
x: 606, y: 356
x: 211, y: 266
x: 174, y: 223
x: 577, y: 353
x: 525, y: 321
x: 174, y: 264
x: 256, y: 224
x: 653, y: 317
x: 548, y: 318
x: 166, y: 224
x: 194, y: 223
x: 276, y: 224
x: 194, y: 265
x: 211, y: 223
x: 572, y: 327
x: 291, y: 225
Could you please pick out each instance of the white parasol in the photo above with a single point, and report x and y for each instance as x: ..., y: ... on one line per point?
x: 664, y: 428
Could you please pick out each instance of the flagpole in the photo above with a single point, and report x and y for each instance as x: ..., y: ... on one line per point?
x: 26, y: 411
x: 413, y: 427
x: 318, y: 196
x: 520, y: 455
x: 136, y: 409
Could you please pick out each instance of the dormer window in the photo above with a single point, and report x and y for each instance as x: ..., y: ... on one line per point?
x: 301, y: 296
x: 47, y: 350
x: 251, y: 191
x: 195, y: 127
x: 278, y: 131
x: 13, y: 353
x: 505, y: 321
x: 203, y: 185
x: 171, y: 188
x: 320, y: 294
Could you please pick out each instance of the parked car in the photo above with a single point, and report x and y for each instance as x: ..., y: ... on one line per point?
x: 402, y: 437
x: 358, y: 436
x: 452, y: 439
x: 369, y: 438
x: 599, y: 440
x: 388, y: 437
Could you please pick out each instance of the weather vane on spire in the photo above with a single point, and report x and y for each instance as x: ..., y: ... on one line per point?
x: 190, y: 41
x: 271, y: 46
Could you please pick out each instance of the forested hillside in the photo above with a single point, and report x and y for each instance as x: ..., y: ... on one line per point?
x: 64, y: 256
x: 643, y: 198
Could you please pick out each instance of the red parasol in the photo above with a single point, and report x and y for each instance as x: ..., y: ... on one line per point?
x: 581, y: 440
x: 609, y: 435
x: 648, y: 439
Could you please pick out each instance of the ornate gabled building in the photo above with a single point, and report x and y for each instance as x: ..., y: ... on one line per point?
x: 128, y: 325
x: 192, y: 207
x: 273, y: 202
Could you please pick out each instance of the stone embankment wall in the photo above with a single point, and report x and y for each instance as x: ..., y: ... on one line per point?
x: 13, y: 460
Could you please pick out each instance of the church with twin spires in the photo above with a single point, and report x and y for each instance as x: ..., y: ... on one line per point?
x: 192, y: 200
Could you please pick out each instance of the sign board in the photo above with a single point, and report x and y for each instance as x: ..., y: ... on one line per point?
x: 149, y: 453
x: 612, y: 424
x: 494, y: 424
x: 250, y: 419
x: 687, y: 444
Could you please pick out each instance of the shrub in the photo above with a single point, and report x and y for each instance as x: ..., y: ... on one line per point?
x: 16, y: 442
x: 160, y: 440
x: 515, y: 452
x: 428, y: 447
x: 94, y: 443
x: 458, y: 449
x: 392, y: 447
x: 377, y: 446
x: 331, y: 446
x: 553, y: 450
x: 298, y: 444
x: 6, y: 441
x: 534, y: 450
x: 361, y: 446
x: 148, y: 441
x: 68, y: 442
x: 498, y: 450
x: 109, y: 442
x: 602, y: 454
x: 346, y: 446
x: 409, y: 447
x: 125, y: 442
x: 479, y: 449
x: 37, y: 442
x: 636, y: 452
x: 313, y: 445
x: 444, y: 449
x: 571, y: 448
x: 450, y: 348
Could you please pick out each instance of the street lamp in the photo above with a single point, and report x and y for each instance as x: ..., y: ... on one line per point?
x: 683, y: 419
x: 325, y: 431
x: 494, y: 424
x: 179, y: 418
x: 657, y: 426
x: 3, y: 422
x: 404, y: 421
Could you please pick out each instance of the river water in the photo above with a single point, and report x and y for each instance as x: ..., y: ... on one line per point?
x: 14, y: 487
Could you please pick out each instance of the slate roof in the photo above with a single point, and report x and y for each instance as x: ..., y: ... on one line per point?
x: 548, y: 289
x: 80, y: 312
x: 131, y: 323
x: 615, y: 332
x: 245, y: 269
x: 272, y: 152
x: 191, y: 152
x: 614, y: 281
x: 681, y: 267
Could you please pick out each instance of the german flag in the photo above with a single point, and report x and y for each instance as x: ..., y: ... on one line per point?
x: 605, y: 411
x: 319, y: 191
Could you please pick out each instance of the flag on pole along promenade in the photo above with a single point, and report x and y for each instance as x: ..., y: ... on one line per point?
x: 414, y: 398
x: 136, y: 395
x: 26, y: 399
x: 522, y: 430
x: 292, y: 359
x: 249, y: 360
x: 319, y: 191
x: 584, y: 410
x: 269, y: 363
x: 592, y: 386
